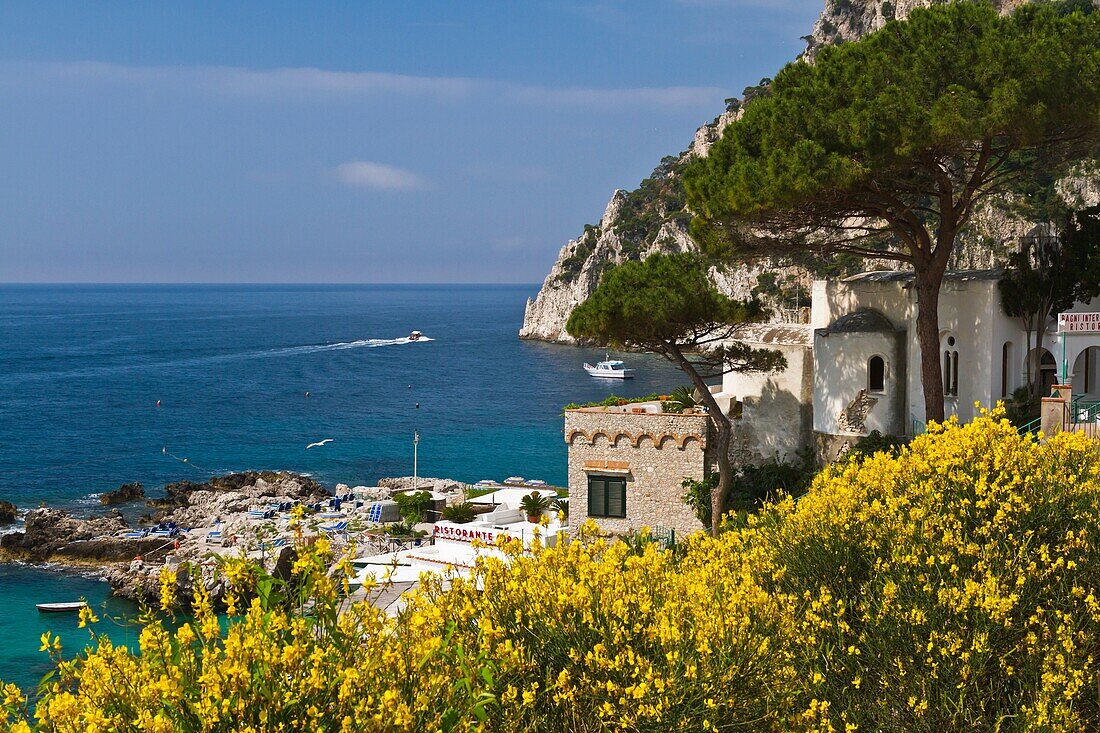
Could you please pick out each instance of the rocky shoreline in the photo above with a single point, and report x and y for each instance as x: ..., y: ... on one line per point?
x: 186, y: 528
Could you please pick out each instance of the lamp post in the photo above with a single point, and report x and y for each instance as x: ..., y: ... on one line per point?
x: 416, y: 442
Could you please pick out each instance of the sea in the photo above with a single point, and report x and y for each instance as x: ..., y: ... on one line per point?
x: 102, y: 385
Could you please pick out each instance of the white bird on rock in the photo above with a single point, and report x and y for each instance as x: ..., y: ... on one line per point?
x: 318, y: 443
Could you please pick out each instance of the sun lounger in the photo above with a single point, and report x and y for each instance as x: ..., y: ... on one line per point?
x: 334, y: 528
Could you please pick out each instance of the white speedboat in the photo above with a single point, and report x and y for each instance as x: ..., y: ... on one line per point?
x: 609, y: 368
x: 415, y: 336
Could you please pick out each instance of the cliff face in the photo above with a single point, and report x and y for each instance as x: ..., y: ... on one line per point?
x: 652, y: 218
x: 848, y: 20
x: 635, y: 225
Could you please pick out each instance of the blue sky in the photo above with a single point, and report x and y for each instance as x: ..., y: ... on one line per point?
x: 348, y: 142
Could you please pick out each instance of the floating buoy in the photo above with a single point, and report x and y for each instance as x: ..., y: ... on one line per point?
x: 158, y: 403
x: 307, y: 393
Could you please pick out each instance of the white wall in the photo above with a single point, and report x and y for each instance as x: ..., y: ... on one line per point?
x: 969, y: 310
x: 841, y: 361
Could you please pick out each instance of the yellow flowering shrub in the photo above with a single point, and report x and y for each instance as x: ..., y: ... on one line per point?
x: 953, y: 587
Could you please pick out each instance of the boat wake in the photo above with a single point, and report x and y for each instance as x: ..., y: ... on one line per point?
x: 221, y: 358
x: 361, y: 344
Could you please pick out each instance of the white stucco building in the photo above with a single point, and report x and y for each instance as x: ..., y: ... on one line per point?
x: 867, y: 357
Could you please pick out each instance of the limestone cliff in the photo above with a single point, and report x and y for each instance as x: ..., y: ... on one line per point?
x: 652, y: 218
x: 645, y: 221
x: 848, y: 20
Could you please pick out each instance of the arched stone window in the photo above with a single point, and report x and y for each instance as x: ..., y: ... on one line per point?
x: 876, y: 374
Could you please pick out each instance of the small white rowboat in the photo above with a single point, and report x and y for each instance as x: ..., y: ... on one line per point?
x: 61, y: 607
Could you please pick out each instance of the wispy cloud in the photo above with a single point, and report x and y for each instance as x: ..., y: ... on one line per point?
x: 589, y: 98
x: 292, y: 83
x: 377, y: 176
x: 260, y: 82
x: 768, y: 4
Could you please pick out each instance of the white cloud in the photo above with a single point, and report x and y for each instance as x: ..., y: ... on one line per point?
x: 257, y: 82
x: 814, y: 5
x: 293, y: 83
x: 378, y: 176
x: 588, y: 98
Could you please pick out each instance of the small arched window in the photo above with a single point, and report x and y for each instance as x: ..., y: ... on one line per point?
x: 951, y: 369
x: 876, y: 374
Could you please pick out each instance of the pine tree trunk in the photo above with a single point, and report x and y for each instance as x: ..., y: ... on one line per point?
x: 928, y: 337
x: 724, y: 429
x: 721, y: 492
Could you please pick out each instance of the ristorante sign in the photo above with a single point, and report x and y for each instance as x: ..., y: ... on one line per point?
x: 1079, y: 322
x: 464, y: 534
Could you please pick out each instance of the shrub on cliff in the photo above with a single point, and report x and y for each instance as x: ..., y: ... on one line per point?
x: 949, y: 587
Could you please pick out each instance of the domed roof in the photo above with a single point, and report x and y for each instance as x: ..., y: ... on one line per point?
x: 864, y: 320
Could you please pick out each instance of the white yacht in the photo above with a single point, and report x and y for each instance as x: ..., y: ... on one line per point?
x: 609, y: 368
x: 415, y: 336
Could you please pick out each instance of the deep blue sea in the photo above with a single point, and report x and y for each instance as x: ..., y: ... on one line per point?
x: 82, y: 369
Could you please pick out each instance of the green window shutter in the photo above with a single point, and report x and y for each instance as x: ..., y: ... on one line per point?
x: 616, y: 498
x: 597, y: 496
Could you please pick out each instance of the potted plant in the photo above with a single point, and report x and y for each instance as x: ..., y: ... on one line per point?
x: 534, y: 504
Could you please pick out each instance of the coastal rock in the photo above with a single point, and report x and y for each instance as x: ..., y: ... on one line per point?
x: 371, y: 492
x: 447, y: 487
x: 132, y: 566
x: 12, y: 542
x: 190, y: 504
x: 139, y: 581
x: 125, y: 493
x: 8, y: 512
x: 652, y: 218
x: 51, y: 532
x: 283, y: 482
x: 108, y: 550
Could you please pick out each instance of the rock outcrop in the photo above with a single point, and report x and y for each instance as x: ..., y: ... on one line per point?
x: 850, y: 20
x: 8, y: 512
x: 50, y: 534
x: 123, y: 494
x: 652, y: 218
x: 228, y: 498
x: 54, y: 535
x: 180, y: 493
x: 453, y: 490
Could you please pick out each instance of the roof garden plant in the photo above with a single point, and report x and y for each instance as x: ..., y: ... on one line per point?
x: 461, y: 513
x: 534, y: 504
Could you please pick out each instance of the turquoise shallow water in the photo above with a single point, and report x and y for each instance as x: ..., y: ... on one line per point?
x: 82, y: 369
x: 21, y: 626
